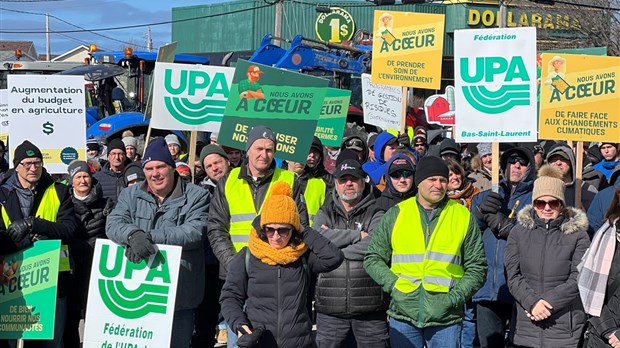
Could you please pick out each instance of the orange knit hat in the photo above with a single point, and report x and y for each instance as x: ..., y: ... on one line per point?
x: 280, y: 208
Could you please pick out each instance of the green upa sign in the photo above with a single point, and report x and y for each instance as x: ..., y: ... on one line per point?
x: 287, y: 102
x: 333, y: 117
x: 28, y: 285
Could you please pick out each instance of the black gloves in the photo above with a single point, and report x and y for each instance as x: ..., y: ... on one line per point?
x: 403, y: 139
x: 491, y: 204
x: 500, y: 224
x: 248, y: 340
x: 19, y: 229
x: 141, y: 246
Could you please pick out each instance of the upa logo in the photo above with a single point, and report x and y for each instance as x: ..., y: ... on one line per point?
x: 195, y: 97
x: 510, y: 75
x: 151, y: 296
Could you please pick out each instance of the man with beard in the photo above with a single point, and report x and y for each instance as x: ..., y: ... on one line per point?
x: 110, y: 177
x: 214, y: 162
x: 347, y: 299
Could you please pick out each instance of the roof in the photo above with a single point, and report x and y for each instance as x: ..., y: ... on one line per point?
x: 70, y: 53
x: 8, y: 48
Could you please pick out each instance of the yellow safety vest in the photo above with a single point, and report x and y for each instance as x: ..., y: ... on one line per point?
x: 47, y: 210
x: 314, y: 196
x: 437, y: 266
x: 241, y: 204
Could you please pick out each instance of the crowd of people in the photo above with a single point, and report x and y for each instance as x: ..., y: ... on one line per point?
x: 384, y: 241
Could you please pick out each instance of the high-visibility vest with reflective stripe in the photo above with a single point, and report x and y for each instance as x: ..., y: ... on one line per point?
x: 314, y: 196
x: 48, y: 210
x: 437, y: 266
x: 241, y: 204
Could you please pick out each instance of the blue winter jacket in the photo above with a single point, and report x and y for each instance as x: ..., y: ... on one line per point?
x: 600, y: 204
x: 495, y: 287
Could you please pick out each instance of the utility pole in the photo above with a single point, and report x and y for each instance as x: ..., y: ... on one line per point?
x: 47, y: 37
x: 278, y: 28
x: 149, y: 41
x: 502, y: 13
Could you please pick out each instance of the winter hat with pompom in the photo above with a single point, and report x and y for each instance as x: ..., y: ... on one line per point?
x: 280, y: 208
x: 549, y: 183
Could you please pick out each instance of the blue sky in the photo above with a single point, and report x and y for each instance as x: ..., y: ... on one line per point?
x: 89, y: 15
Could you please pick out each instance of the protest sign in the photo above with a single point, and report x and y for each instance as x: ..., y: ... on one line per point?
x: 333, y: 117
x: 495, y: 75
x: 287, y: 102
x: 382, y: 104
x: 189, y: 96
x: 49, y: 111
x: 440, y: 108
x: 131, y: 304
x: 4, y: 116
x: 407, y: 49
x: 579, y: 98
x: 28, y: 286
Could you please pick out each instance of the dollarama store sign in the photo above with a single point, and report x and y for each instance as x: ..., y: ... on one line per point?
x: 48, y: 111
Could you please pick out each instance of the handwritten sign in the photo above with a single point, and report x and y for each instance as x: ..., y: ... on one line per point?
x: 382, y: 104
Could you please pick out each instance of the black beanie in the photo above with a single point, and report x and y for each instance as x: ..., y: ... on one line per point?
x: 116, y: 144
x: 26, y: 150
x: 430, y: 166
x: 78, y: 166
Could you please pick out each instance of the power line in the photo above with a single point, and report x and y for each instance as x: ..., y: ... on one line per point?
x: 23, y: 31
x: 71, y: 24
x: 598, y: 7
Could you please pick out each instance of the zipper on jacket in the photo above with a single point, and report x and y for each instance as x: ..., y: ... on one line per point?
x: 347, y: 298
x: 495, y: 271
x: 542, y: 264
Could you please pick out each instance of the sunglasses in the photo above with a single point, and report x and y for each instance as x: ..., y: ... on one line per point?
x: 513, y: 160
x: 354, y: 142
x: 401, y: 174
x: 282, y: 231
x: 541, y: 204
x: 419, y: 145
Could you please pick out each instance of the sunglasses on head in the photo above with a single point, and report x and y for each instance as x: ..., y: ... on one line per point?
x: 401, y: 174
x: 515, y: 159
x: 282, y: 231
x: 541, y: 204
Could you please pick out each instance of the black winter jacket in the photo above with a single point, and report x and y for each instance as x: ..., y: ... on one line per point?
x: 541, y: 263
x: 219, y: 215
x: 112, y: 183
x: 275, y: 296
x: 348, y: 290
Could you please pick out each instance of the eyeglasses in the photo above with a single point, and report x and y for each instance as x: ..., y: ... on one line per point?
x: 401, y: 174
x: 541, y: 204
x: 515, y: 159
x: 282, y: 231
x: 28, y: 165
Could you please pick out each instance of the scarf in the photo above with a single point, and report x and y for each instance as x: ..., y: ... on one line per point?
x: 272, y: 256
x: 594, y: 269
x: 465, y: 195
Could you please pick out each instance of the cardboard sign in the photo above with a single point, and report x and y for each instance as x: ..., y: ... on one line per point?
x: 579, y: 98
x: 495, y: 75
x: 330, y: 127
x: 190, y: 97
x: 407, y: 49
x: 28, y: 286
x: 129, y: 304
x: 382, y: 104
x: 50, y: 112
x: 287, y: 102
x: 440, y: 108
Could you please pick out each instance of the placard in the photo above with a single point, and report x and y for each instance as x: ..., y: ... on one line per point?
x: 382, y: 104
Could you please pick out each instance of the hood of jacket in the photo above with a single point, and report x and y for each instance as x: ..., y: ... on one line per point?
x: 364, y: 146
x: 564, y: 151
x: 388, y: 183
x: 382, y: 139
x: 573, y: 220
x: 318, y: 170
x: 530, y: 174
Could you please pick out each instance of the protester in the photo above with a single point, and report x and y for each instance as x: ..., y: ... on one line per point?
x: 600, y: 203
x: 482, y: 171
x: 234, y: 156
x: 419, y: 142
x: 239, y: 196
x: 133, y: 174
x: 539, y: 155
x: 348, y: 301
x: 561, y: 155
x: 34, y: 207
x: 384, y: 146
x: 110, y: 177
x: 542, y: 254
x: 4, y: 165
x: 599, y: 281
x: 264, y: 297
x: 427, y: 293
x: 131, y: 148
x: 399, y: 182
x: 496, y: 213
x: 448, y: 149
x: 611, y: 158
x: 91, y: 209
x: 215, y: 162
x: 460, y: 188
x: 372, y: 138
x: 356, y: 144
x: 174, y: 146
x: 165, y: 210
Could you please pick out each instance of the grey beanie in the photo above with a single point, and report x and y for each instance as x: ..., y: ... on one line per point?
x: 78, y: 166
x: 260, y: 132
x: 130, y: 141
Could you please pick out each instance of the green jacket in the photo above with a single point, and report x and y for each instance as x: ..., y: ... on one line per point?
x: 423, y: 308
